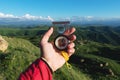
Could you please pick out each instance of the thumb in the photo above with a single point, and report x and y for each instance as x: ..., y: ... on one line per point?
x: 47, y: 36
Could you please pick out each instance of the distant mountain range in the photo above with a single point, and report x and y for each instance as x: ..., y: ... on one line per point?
x: 28, y: 19
x: 89, y: 20
x: 18, y: 21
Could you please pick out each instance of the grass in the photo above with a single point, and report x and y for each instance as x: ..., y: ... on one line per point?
x: 70, y: 74
x: 21, y: 53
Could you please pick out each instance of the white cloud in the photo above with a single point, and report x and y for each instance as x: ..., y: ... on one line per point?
x: 26, y: 17
x: 2, y: 15
x: 88, y: 17
x: 31, y: 17
x: 49, y: 18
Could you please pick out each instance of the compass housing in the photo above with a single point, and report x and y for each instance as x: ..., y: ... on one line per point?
x: 61, y: 41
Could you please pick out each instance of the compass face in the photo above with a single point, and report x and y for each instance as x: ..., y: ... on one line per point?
x: 61, y: 42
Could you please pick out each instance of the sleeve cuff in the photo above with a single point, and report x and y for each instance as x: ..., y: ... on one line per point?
x: 46, y: 64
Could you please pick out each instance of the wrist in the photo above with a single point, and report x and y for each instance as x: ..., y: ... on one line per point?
x: 48, y: 63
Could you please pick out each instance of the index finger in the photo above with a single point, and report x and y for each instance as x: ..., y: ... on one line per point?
x: 69, y: 31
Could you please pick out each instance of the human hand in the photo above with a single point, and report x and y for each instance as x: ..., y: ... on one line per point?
x: 53, y: 56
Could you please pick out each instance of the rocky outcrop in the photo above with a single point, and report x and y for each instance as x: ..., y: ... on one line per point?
x: 3, y: 44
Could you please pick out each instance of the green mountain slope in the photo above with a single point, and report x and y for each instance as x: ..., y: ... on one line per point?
x: 100, y: 61
x: 97, y: 55
x: 20, y: 54
x: 102, y: 34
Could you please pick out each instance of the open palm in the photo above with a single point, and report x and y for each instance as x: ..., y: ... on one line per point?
x: 53, y: 56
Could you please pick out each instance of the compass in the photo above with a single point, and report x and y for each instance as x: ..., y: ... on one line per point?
x: 61, y: 41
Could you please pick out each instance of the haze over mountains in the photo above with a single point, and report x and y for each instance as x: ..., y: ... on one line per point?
x: 28, y: 19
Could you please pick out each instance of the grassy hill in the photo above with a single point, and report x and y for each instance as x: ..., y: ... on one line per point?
x: 97, y: 55
x: 100, y: 61
x: 101, y: 34
x: 20, y: 54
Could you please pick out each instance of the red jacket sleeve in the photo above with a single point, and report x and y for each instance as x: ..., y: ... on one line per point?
x: 38, y: 70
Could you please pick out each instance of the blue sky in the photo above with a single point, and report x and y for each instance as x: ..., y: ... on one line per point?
x: 61, y: 8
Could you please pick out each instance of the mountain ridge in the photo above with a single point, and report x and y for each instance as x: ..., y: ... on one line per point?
x: 76, y: 20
